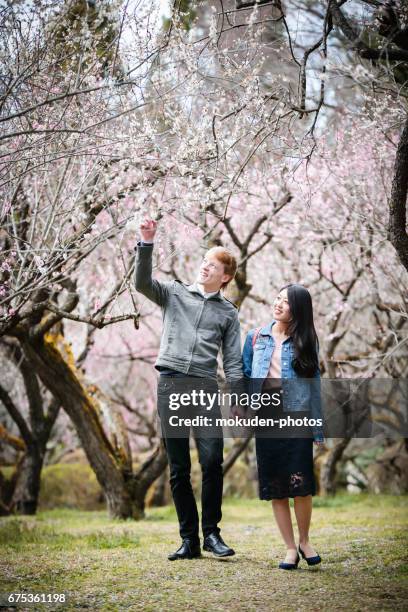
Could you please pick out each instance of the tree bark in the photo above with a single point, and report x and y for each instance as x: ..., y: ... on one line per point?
x: 159, y: 496
x: 398, y: 218
x: 35, y: 432
x: 151, y: 469
x: 26, y: 493
x: 237, y: 449
x: 124, y: 491
x: 329, y: 465
x: 62, y: 381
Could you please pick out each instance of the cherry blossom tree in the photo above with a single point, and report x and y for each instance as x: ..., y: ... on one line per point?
x: 227, y: 130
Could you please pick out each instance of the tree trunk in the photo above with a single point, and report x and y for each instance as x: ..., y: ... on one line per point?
x: 34, y: 430
x: 398, y: 217
x: 61, y: 379
x: 237, y: 449
x: 25, y: 496
x: 329, y: 466
x: 160, y: 494
x: 124, y: 491
x: 7, y: 488
x: 151, y: 469
x: 389, y: 472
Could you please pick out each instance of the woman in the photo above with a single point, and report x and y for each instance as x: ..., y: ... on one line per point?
x: 285, y: 350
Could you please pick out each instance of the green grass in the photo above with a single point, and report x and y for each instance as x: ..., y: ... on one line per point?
x: 105, y: 564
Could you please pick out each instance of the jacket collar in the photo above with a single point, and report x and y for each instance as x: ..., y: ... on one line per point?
x: 267, y: 330
x: 194, y: 289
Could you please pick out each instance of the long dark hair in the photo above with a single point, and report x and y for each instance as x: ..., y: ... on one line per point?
x: 302, y: 330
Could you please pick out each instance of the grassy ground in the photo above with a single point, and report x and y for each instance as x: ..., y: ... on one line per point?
x: 111, y: 565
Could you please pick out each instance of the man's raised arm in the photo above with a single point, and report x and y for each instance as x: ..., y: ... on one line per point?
x: 144, y: 283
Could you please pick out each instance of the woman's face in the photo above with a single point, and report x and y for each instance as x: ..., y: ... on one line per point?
x: 281, y: 310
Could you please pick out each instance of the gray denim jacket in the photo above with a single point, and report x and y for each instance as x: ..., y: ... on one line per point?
x: 194, y: 327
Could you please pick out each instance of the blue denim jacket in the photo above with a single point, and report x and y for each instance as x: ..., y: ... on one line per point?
x: 300, y: 394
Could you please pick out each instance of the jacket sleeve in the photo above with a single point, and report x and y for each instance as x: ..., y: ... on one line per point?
x: 247, y: 354
x: 144, y: 283
x: 316, y: 405
x: 231, y: 349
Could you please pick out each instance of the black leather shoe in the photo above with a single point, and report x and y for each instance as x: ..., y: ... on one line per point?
x: 215, y: 544
x: 290, y: 566
x: 310, y: 560
x: 188, y: 550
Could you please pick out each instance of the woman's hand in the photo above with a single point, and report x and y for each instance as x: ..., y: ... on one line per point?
x: 148, y: 229
x: 319, y: 442
x: 238, y: 411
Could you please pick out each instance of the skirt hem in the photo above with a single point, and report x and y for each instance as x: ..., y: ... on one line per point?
x: 270, y: 497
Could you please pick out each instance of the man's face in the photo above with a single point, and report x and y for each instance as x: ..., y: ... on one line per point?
x: 211, y: 273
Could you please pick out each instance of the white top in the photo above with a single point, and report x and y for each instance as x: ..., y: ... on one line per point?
x: 201, y: 290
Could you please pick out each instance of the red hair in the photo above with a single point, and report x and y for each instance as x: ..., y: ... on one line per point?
x: 228, y: 260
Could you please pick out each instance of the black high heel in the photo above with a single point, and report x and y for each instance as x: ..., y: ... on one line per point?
x: 290, y: 566
x: 310, y: 560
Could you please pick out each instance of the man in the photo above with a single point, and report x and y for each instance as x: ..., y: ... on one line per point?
x: 197, y: 322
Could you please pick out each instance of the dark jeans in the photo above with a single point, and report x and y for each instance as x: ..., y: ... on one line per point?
x: 210, y: 454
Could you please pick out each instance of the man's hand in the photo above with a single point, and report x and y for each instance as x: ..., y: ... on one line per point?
x: 148, y: 229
